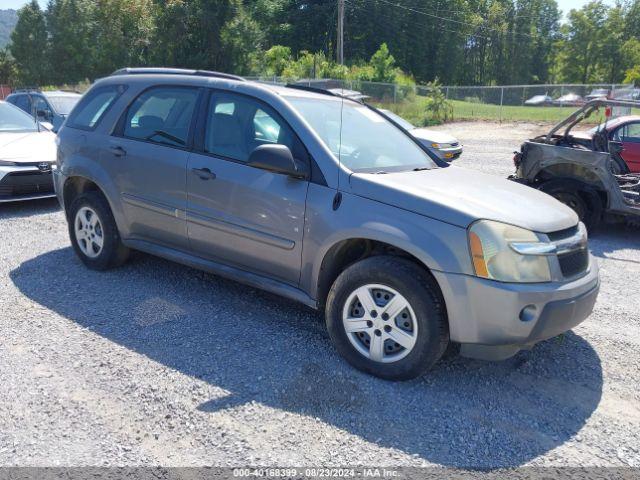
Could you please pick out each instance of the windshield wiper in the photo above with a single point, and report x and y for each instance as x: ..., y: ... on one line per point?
x: 419, y: 169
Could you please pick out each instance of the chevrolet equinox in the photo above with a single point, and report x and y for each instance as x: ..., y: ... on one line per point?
x: 326, y: 201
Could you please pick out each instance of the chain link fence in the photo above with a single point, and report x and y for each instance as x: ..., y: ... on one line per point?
x: 537, y: 103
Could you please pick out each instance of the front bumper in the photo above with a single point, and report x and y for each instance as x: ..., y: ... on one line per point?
x: 27, y: 182
x: 494, y: 320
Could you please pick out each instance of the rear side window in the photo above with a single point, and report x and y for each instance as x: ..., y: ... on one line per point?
x: 93, y: 107
x: 162, y: 115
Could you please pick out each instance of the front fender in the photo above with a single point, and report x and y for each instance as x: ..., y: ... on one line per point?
x: 437, y: 245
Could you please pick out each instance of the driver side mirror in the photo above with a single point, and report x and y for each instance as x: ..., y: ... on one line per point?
x: 277, y: 159
x: 46, y: 114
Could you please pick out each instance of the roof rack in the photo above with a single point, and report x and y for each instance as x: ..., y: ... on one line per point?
x: 175, y: 71
x: 26, y: 89
x: 332, y: 92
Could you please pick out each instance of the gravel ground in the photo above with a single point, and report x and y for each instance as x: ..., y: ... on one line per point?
x: 159, y: 364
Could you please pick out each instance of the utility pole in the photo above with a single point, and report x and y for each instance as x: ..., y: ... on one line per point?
x: 340, y: 45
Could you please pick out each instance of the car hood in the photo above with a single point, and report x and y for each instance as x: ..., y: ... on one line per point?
x: 28, y: 147
x: 460, y: 197
x: 432, y: 136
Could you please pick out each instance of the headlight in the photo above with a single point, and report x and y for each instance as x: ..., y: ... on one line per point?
x: 435, y: 145
x: 7, y: 163
x: 508, y: 254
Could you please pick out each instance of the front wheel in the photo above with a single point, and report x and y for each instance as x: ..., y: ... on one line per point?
x: 581, y: 199
x: 386, y: 317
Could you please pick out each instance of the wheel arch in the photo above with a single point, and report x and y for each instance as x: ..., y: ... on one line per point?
x: 78, y: 182
x: 347, y: 251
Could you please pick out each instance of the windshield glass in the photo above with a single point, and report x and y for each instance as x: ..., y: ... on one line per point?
x: 399, y: 120
x: 364, y: 141
x: 63, y: 104
x: 12, y: 119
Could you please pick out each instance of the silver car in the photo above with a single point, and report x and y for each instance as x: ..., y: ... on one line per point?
x: 27, y: 155
x: 322, y: 200
x: 441, y: 144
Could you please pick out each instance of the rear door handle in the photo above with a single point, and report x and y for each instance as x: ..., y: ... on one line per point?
x: 118, y: 151
x: 204, y: 173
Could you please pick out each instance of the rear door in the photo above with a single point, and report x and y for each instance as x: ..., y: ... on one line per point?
x: 629, y: 135
x: 237, y: 214
x: 149, y: 153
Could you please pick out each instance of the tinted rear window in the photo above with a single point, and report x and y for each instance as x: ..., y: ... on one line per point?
x: 93, y: 107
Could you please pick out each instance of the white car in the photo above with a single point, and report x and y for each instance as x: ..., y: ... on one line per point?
x: 27, y: 156
x: 443, y: 145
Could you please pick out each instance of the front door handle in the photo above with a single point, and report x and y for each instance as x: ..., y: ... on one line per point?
x: 118, y: 151
x: 204, y: 173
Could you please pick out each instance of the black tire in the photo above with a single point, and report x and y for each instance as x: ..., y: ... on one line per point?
x: 419, y: 288
x: 582, y: 199
x: 113, y: 252
x: 618, y: 166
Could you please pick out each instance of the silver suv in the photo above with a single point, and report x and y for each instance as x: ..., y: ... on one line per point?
x: 326, y: 201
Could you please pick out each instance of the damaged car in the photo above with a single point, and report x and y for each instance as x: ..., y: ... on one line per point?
x: 583, y: 171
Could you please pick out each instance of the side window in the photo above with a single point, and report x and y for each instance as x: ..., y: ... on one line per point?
x: 93, y: 106
x: 632, y: 133
x: 23, y: 103
x: 236, y: 125
x: 40, y: 105
x: 162, y: 115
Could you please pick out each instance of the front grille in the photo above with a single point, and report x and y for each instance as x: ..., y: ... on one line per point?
x: 562, y: 234
x: 455, y: 144
x: 574, y: 263
x: 16, y: 184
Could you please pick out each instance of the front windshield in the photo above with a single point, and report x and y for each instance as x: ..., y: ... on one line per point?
x: 12, y: 119
x: 63, y: 104
x: 364, y: 140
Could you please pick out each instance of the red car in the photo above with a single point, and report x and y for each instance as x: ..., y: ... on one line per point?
x: 625, y: 130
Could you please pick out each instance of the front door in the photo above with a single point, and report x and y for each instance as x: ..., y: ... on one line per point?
x: 629, y: 136
x: 241, y: 215
x: 151, y: 152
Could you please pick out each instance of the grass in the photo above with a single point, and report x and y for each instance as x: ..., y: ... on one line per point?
x: 414, y: 110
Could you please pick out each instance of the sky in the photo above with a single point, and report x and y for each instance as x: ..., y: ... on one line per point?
x: 565, y: 5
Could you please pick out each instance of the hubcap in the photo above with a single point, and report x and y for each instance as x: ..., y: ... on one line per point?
x: 89, y: 233
x: 380, y: 323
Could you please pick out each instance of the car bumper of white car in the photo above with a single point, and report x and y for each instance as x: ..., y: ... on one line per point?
x: 26, y: 182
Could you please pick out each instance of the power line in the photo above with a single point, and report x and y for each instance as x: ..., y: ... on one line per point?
x: 459, y: 22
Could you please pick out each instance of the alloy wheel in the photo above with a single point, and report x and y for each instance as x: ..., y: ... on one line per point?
x: 89, y: 232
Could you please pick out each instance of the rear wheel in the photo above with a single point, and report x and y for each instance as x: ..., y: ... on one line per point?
x: 580, y: 198
x: 386, y: 317
x: 94, y: 234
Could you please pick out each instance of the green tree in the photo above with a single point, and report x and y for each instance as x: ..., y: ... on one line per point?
x: 275, y: 60
x: 581, y: 48
x: 29, y: 45
x: 122, y: 31
x: 7, y: 68
x: 383, y: 64
x: 72, y: 45
x: 633, y: 75
x: 188, y: 33
x: 242, y: 41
